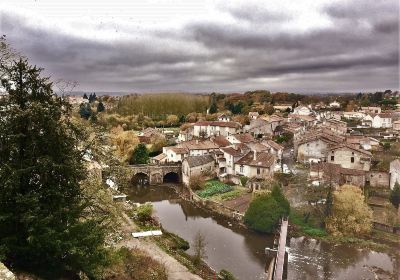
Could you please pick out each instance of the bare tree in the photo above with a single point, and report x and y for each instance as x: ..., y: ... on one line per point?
x: 199, y: 248
x: 65, y: 87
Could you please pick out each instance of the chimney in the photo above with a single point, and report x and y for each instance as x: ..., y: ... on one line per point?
x: 255, y: 155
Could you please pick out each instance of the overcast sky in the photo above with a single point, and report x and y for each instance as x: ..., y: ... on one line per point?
x: 205, y: 46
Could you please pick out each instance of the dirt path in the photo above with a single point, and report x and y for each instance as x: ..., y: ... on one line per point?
x: 175, y: 270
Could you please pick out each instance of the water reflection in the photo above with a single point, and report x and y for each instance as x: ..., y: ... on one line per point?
x: 242, y: 251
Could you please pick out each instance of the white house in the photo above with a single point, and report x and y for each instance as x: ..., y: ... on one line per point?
x: 302, y: 110
x: 334, y: 104
x: 224, y: 118
x: 394, y: 173
x: 371, y: 110
x: 274, y: 148
x: 255, y: 165
x: 215, y: 128
x: 253, y: 115
x: 240, y: 138
x: 382, y: 120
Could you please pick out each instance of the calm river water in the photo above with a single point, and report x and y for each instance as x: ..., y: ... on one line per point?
x: 241, y: 251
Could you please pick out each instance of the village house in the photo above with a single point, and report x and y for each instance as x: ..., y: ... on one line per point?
x: 302, y: 111
x: 186, y: 134
x: 147, y: 135
x: 159, y: 159
x: 371, y: 110
x: 396, y: 125
x: 259, y: 127
x: 349, y: 156
x: 274, y: 148
x: 334, y: 104
x: 224, y: 118
x: 377, y: 179
x: 382, y: 120
x: 240, y: 138
x: 207, y: 129
x: 230, y: 155
x: 197, y: 165
x: 335, y: 175
x: 305, y: 120
x: 253, y: 115
x: 394, y: 171
x: 255, y: 165
x: 282, y: 107
x: 189, y: 148
x: 314, y: 146
x: 335, y: 126
x: 220, y: 141
x: 364, y: 142
x: 353, y: 115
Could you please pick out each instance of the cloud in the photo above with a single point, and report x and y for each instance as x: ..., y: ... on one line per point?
x: 356, y: 51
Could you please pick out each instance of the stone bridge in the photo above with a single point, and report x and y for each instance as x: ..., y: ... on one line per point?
x: 156, y: 174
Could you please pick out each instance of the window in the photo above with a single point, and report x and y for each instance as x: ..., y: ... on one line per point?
x: 352, y: 159
x: 332, y: 158
x: 241, y: 169
x: 258, y: 171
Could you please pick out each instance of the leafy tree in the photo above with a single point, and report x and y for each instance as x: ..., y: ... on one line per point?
x: 265, y: 211
x: 100, y: 107
x: 140, y: 155
x: 351, y: 215
x: 172, y: 120
x: 278, y: 195
x: 394, y: 197
x: 42, y: 215
x: 243, y: 180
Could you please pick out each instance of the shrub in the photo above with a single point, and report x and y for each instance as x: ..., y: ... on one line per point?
x: 144, y: 212
x: 265, y: 211
x: 243, y: 180
x: 196, y: 182
x: 226, y: 275
x: 214, y: 187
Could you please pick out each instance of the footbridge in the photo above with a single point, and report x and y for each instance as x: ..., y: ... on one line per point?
x: 156, y: 173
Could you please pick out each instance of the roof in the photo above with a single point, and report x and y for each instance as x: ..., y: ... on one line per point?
x: 351, y: 147
x: 194, y: 161
x: 178, y: 150
x: 217, y: 123
x: 335, y: 170
x: 323, y: 136
x: 273, y: 144
x: 258, y: 147
x: 253, y: 114
x: 221, y: 141
x: 262, y: 159
x: 232, y: 151
x: 302, y: 117
x: 244, y: 138
x: 160, y: 156
x: 198, y: 145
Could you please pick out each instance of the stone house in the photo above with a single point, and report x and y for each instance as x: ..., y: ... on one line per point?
x: 329, y: 173
x: 364, y: 142
x: 314, y: 147
x: 338, y: 127
x: 274, y: 148
x: 394, y: 172
x: 302, y: 110
x: 349, y: 156
x: 371, y: 110
x: 196, y: 166
x: 175, y: 154
x: 159, y: 159
x: 305, y: 120
x: 259, y: 127
x: 396, y: 125
x: 253, y: 115
x: 378, y: 179
x: 230, y: 155
x: 255, y: 165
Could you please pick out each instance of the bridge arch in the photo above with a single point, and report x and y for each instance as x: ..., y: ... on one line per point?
x: 171, y: 177
x: 140, y: 178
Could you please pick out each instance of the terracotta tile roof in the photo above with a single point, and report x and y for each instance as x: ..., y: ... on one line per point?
x: 160, y: 156
x: 178, y: 150
x: 335, y: 170
x: 221, y: 141
x: 217, y: 123
x: 232, y: 151
x: 244, y: 138
x: 262, y: 159
x: 194, y: 161
x: 198, y: 145
x: 273, y: 144
x: 351, y: 147
x: 258, y: 147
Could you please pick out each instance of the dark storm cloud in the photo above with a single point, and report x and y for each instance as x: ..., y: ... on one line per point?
x: 358, y: 51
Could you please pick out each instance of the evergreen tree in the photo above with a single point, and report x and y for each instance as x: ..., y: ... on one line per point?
x: 42, y: 224
x: 213, y: 106
x: 85, y: 111
x: 100, y: 107
x: 395, y: 195
x: 85, y: 96
x: 140, y: 155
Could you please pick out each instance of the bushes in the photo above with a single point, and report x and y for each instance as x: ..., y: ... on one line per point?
x: 265, y: 211
x: 144, y: 212
x: 226, y: 275
x: 214, y: 187
x: 196, y: 182
x: 134, y: 264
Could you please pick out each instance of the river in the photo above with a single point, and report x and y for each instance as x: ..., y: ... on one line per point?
x: 241, y: 251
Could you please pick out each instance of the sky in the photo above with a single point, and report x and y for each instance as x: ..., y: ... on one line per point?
x: 206, y: 46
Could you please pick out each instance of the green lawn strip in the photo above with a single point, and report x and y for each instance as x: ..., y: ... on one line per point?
x: 307, y: 228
